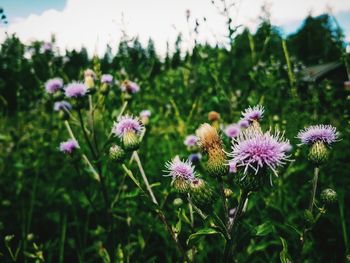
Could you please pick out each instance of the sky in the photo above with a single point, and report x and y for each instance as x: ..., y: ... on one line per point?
x: 96, y: 23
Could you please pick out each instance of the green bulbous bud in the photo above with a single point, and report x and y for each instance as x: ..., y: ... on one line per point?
x: 178, y: 202
x: 318, y: 153
x: 329, y: 196
x: 180, y: 185
x: 217, y: 163
x: 131, y: 141
x: 104, y: 88
x: 202, y: 195
x: 228, y: 192
x: 116, y: 153
x: 58, y: 95
x: 250, y: 181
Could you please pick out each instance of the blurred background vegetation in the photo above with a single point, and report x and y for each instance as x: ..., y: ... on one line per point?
x: 41, y: 197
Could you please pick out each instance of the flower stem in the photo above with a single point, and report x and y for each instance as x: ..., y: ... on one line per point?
x: 314, y: 187
x: 228, y: 252
x: 144, y: 177
x: 86, y: 136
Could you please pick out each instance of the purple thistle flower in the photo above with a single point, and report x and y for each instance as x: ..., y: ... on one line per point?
x: 75, y: 90
x: 243, y: 123
x: 145, y: 114
x: 318, y: 133
x: 232, y: 130
x: 253, y: 114
x: 53, y: 85
x: 126, y: 124
x: 178, y: 169
x: 195, y: 157
x: 62, y: 105
x: 107, y: 78
x: 191, y: 140
x: 129, y: 87
x: 68, y: 147
x: 256, y: 150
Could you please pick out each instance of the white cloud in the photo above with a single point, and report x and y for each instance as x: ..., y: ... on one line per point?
x: 94, y: 23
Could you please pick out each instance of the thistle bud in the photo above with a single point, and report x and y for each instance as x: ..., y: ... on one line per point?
x: 104, y: 88
x: 210, y: 143
x: 250, y: 181
x: 328, y: 196
x: 201, y: 194
x: 318, y: 153
x: 131, y: 140
x: 228, y: 192
x: 180, y: 185
x: 89, y: 78
x: 116, y: 153
x: 178, y: 202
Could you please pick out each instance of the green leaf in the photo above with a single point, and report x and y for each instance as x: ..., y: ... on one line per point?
x: 284, y: 257
x: 264, y: 229
x: 203, y: 232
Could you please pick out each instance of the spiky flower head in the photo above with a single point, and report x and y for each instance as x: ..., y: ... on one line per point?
x: 53, y: 85
x: 232, y: 130
x: 253, y: 113
x: 69, y: 147
x: 318, y: 137
x: 144, y: 116
x: 129, y: 87
x: 182, y: 173
x: 107, y: 79
x: 318, y: 133
x: 254, y: 153
x: 210, y: 143
x: 201, y: 194
x: 62, y: 106
x: 213, y: 116
x: 75, y: 90
x: 116, y: 153
x: 191, y: 140
x: 243, y: 123
x: 128, y: 129
x: 329, y: 196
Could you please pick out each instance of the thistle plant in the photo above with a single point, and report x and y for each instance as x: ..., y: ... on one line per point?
x: 318, y: 139
x: 255, y: 158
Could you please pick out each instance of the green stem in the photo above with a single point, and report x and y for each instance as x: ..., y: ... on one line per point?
x: 86, y: 136
x: 314, y: 187
x: 62, y: 238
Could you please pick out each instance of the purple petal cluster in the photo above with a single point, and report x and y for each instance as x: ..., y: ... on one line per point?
x: 62, y: 105
x: 255, y: 150
x: 253, y: 114
x: 68, y: 147
x: 318, y: 133
x: 107, y: 79
x: 232, y: 130
x: 178, y: 169
x: 126, y: 124
x: 195, y: 157
x: 53, y: 85
x: 191, y: 140
x: 243, y: 123
x: 145, y: 114
x: 129, y: 87
x: 75, y: 90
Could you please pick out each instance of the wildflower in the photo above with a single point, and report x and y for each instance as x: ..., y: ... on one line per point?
x: 232, y: 130
x: 144, y: 116
x: 318, y: 137
x: 62, y: 106
x: 195, y: 157
x: 116, y: 153
x: 201, y: 194
x: 243, y: 123
x: 254, y: 153
x: 53, y: 85
x: 253, y: 114
x: 232, y: 167
x: 107, y: 78
x: 89, y: 78
x: 69, y: 147
x: 129, y: 130
x: 129, y: 87
x: 182, y: 173
x: 210, y: 143
x: 213, y: 116
x: 191, y: 140
x: 75, y: 90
